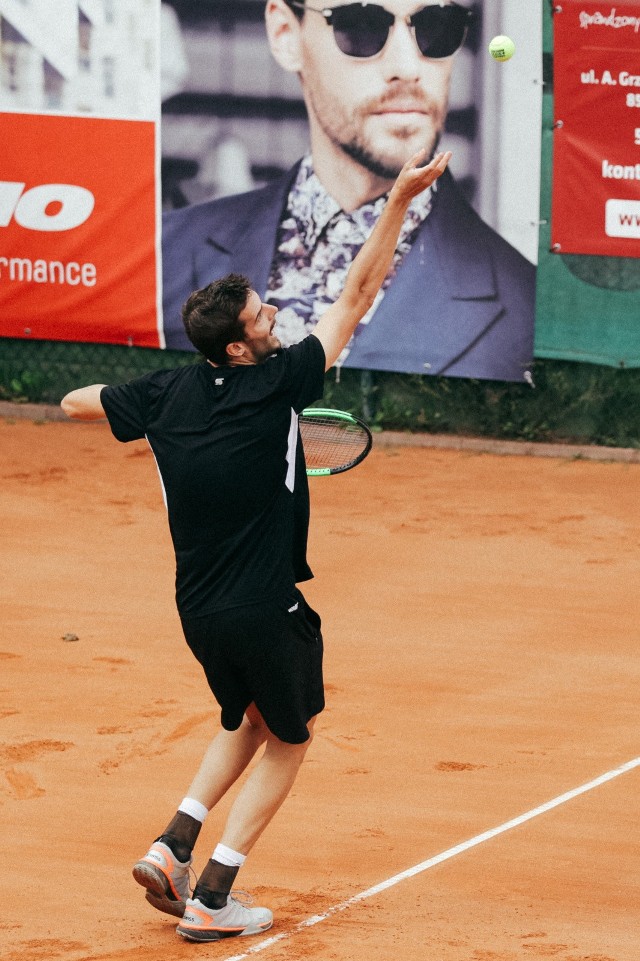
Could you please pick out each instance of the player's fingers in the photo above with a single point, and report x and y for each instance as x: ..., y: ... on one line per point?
x: 416, y: 179
x: 440, y: 160
x: 436, y: 167
x: 413, y: 162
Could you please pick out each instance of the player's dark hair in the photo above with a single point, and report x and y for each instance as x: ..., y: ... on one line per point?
x: 210, y: 316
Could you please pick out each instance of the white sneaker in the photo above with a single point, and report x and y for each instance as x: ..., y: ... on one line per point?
x: 165, y: 878
x: 201, y: 923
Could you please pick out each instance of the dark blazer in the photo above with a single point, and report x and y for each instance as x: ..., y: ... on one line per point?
x: 461, y: 304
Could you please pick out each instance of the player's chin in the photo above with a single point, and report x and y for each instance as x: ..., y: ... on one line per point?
x: 271, y: 347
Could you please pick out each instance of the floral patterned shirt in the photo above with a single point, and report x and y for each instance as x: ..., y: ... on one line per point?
x: 315, y: 245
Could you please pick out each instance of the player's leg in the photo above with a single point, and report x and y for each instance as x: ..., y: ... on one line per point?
x: 274, y: 651
x: 164, y: 869
x: 227, y: 757
x: 264, y: 791
x: 213, y: 913
x: 279, y: 645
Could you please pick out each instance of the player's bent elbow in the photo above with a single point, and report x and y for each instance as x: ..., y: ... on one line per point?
x: 357, y: 302
x: 84, y: 404
x: 67, y: 405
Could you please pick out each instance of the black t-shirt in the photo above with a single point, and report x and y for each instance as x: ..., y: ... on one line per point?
x: 228, y: 450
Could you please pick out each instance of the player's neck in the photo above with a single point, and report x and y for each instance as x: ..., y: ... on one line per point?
x: 349, y: 183
x: 234, y: 363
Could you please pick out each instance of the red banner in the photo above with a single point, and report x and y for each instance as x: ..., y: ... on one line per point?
x: 596, y: 149
x: 78, y: 229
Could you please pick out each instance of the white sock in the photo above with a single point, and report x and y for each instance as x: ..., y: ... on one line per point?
x: 194, y: 809
x: 225, y: 855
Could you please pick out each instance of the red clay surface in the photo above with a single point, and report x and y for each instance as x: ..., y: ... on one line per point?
x: 481, y: 629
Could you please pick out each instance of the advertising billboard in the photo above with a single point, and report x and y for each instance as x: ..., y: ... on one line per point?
x: 79, y: 190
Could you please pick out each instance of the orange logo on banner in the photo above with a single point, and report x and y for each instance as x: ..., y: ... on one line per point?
x: 78, y: 229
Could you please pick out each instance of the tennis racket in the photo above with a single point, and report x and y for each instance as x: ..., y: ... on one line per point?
x: 333, y: 441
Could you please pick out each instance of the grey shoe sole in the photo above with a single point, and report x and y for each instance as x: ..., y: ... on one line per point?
x: 193, y: 934
x: 158, y: 894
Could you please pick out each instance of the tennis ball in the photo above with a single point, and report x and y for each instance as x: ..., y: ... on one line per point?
x: 502, y: 48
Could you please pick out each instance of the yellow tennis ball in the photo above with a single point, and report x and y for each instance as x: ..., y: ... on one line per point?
x: 502, y: 48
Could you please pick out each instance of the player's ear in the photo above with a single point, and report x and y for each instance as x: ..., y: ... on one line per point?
x: 236, y: 349
x: 283, y: 31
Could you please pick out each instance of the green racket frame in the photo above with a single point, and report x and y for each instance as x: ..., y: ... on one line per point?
x: 361, y: 432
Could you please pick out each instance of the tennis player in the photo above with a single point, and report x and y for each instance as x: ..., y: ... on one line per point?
x: 225, y: 437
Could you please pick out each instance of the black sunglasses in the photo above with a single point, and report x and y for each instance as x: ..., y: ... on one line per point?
x: 362, y: 29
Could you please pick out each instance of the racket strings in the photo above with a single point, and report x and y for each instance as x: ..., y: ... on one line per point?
x: 330, y: 443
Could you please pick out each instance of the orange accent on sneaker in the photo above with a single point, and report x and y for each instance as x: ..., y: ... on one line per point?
x: 206, y: 925
x: 164, y: 855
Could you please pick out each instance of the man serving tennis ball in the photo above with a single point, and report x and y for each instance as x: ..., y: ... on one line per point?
x: 224, y: 435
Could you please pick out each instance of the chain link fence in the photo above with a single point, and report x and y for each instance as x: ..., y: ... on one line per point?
x: 568, y: 402
x: 44, y: 371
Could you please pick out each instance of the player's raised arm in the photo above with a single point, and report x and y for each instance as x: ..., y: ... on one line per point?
x: 84, y: 403
x: 370, y: 267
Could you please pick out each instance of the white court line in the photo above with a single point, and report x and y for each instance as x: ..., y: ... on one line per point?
x: 439, y: 858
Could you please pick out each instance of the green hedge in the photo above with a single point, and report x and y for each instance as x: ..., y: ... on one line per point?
x: 570, y: 402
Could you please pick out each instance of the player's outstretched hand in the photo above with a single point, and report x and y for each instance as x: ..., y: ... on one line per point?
x: 413, y: 179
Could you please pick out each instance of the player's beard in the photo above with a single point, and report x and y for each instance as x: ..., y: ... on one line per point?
x: 267, y: 348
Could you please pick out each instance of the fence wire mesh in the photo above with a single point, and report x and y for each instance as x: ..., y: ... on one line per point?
x: 570, y: 402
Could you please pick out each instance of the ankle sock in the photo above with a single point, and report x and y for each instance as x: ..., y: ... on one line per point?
x: 194, y: 809
x: 225, y: 855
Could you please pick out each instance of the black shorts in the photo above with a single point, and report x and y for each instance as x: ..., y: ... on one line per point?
x: 268, y: 653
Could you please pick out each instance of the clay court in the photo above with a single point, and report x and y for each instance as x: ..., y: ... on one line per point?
x: 481, y: 630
